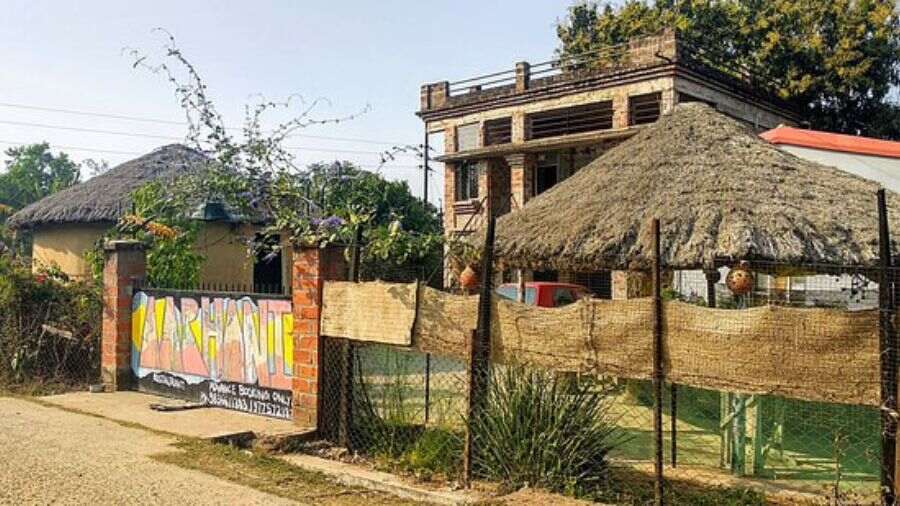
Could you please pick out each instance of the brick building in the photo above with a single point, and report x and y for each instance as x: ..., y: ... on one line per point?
x: 512, y: 135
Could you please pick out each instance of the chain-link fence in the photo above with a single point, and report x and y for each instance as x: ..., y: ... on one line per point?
x: 830, y: 450
x: 590, y: 430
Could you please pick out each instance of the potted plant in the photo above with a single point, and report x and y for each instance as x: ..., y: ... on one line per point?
x: 464, y: 258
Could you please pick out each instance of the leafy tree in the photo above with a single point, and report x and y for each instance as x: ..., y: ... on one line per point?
x: 254, y: 174
x: 161, y: 219
x: 33, y: 172
x: 836, y: 60
x: 397, y: 226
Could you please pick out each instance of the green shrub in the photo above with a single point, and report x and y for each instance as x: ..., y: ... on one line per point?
x: 49, y: 327
x: 388, y: 422
x: 540, y: 431
x: 435, y: 451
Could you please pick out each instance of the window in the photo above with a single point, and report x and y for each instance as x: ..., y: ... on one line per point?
x: 507, y: 292
x: 546, y: 173
x: 563, y: 297
x: 571, y: 120
x: 467, y: 137
x: 546, y: 176
x: 466, y: 181
x: 497, y: 131
x: 267, y: 275
x: 644, y: 109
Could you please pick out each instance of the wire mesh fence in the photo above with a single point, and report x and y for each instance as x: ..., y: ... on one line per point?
x: 828, y: 450
x: 411, y: 411
x: 400, y: 409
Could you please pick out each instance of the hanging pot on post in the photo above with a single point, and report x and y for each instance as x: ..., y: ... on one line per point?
x: 468, y: 278
x: 740, y: 279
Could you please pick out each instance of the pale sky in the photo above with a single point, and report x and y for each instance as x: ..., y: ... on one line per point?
x: 69, y: 56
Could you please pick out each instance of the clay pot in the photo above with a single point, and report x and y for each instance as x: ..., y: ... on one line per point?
x: 468, y: 278
x: 739, y: 280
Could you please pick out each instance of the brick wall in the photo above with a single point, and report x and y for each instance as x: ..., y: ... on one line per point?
x: 449, y: 196
x: 312, y: 267
x: 521, y: 172
x: 125, y: 265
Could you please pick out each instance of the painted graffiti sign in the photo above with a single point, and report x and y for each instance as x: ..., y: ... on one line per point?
x: 231, y: 353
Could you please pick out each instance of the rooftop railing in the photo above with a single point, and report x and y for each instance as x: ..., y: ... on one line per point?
x: 649, y: 51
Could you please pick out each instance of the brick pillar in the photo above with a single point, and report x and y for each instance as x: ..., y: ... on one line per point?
x: 312, y: 267
x: 523, y: 76
x: 449, y: 196
x: 521, y: 175
x: 519, y: 127
x: 620, y: 110
x: 125, y: 265
x: 485, y: 187
x: 434, y: 95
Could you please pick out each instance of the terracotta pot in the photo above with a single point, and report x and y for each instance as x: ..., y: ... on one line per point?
x: 739, y: 280
x: 468, y: 278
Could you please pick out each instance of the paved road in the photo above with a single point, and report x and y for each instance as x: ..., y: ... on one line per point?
x: 54, y: 456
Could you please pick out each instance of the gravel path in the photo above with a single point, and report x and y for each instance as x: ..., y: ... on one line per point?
x: 59, y: 457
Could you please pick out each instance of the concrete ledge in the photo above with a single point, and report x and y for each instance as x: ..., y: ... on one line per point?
x: 355, y: 476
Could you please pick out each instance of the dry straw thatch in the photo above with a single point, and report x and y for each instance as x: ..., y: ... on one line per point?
x: 106, y: 197
x: 721, y: 194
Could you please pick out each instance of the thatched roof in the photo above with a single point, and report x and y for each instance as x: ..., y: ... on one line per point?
x: 106, y: 197
x: 719, y: 191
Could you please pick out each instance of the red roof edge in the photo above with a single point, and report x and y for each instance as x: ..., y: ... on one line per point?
x: 832, y: 142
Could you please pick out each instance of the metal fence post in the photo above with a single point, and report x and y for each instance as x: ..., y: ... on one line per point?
x: 888, y: 353
x: 658, y: 376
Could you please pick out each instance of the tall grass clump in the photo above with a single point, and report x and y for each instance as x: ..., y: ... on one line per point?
x: 539, y: 429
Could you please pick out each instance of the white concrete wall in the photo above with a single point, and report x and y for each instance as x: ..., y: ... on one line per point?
x: 883, y: 170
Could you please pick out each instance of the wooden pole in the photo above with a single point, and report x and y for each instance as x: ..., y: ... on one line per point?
x: 346, y: 360
x: 480, y: 348
x: 657, y: 365
x: 427, y: 387
x: 470, y: 409
x: 673, y: 422
x: 712, y: 277
x: 888, y: 352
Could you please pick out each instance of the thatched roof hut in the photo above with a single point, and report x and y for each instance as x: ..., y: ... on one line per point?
x: 106, y: 197
x: 721, y: 194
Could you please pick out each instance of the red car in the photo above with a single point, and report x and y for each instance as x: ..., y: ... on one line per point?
x: 545, y: 293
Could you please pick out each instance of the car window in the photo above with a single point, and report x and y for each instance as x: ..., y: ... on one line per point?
x: 507, y: 292
x: 563, y: 297
x: 511, y: 292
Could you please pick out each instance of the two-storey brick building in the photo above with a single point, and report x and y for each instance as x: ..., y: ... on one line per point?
x: 512, y: 135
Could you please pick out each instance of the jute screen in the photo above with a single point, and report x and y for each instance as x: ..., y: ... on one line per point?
x: 813, y: 354
x: 375, y: 312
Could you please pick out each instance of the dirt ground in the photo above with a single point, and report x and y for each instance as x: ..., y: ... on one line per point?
x: 61, y: 457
